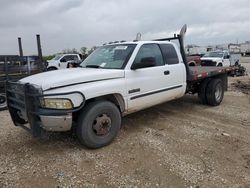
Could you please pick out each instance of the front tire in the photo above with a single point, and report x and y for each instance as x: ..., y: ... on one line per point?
x: 98, y: 124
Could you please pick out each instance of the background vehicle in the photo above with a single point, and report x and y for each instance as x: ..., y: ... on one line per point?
x: 13, y: 68
x: 62, y: 61
x: 118, y: 79
x: 194, y: 60
x: 220, y: 58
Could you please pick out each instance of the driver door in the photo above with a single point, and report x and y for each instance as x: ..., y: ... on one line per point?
x: 147, y: 86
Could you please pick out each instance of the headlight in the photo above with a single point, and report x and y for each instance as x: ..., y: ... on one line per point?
x: 63, y: 104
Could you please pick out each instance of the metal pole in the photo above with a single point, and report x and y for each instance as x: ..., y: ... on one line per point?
x: 20, y: 47
x: 6, y: 68
x: 39, y: 48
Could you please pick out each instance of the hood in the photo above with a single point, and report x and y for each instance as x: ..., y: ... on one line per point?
x: 212, y: 58
x: 51, y: 61
x: 52, y: 79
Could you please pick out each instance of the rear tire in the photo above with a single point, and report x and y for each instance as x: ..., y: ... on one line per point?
x: 3, y: 102
x: 202, y: 91
x: 98, y: 124
x: 215, y: 92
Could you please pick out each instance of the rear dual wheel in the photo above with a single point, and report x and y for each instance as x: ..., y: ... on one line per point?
x: 3, y: 102
x: 211, y: 92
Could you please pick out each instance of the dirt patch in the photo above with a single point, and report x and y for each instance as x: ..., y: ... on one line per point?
x: 177, y: 144
x: 243, y: 86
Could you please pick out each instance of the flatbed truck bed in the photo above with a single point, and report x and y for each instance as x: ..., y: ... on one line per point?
x: 201, y: 72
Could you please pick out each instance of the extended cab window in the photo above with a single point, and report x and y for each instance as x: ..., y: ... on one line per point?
x: 149, y: 51
x: 169, y: 54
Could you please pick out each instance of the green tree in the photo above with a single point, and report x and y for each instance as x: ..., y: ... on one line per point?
x: 83, y: 50
x: 48, y: 57
x: 70, y: 51
x: 91, y: 50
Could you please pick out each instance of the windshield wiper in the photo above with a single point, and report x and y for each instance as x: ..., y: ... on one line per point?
x: 93, y: 66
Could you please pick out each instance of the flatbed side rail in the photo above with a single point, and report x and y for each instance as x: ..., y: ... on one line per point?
x: 199, y: 73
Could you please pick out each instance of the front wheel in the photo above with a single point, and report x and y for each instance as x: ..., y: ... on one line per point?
x: 98, y: 124
x: 3, y: 102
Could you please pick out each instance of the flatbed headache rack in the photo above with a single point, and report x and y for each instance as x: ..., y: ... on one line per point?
x: 195, y: 73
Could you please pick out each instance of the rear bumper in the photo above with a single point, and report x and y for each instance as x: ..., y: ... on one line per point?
x: 23, y: 102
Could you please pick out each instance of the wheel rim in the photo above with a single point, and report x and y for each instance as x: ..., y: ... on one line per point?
x: 3, y: 102
x: 218, y: 92
x: 102, y: 125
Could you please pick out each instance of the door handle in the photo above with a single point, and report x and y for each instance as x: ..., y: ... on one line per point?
x: 166, y: 72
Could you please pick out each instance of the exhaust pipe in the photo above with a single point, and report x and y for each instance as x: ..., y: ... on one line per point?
x: 20, y: 47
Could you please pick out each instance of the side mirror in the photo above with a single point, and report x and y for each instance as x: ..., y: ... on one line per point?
x: 145, y: 62
x: 227, y: 57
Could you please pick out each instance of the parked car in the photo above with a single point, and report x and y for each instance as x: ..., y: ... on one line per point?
x: 194, y: 60
x: 220, y: 58
x: 63, y: 61
x: 118, y: 79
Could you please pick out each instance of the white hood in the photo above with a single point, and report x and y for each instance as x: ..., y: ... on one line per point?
x: 64, y: 77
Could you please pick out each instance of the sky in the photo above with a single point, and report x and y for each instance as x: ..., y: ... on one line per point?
x: 66, y: 24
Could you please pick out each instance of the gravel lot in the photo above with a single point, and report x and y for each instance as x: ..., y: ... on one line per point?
x: 177, y: 144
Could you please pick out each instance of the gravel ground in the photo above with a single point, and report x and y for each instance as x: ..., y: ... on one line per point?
x: 177, y: 144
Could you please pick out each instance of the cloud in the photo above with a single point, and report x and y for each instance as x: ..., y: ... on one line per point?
x: 72, y: 24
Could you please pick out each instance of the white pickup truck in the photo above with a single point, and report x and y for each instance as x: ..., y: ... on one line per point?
x: 220, y: 58
x: 62, y: 61
x: 115, y: 80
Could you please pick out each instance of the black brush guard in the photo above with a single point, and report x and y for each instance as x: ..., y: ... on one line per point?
x: 24, y: 106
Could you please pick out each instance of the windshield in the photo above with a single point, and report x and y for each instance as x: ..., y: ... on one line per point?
x: 214, y: 54
x: 109, y: 57
x: 57, y: 57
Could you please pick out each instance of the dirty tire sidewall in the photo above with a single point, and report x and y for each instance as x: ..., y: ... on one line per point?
x: 202, y: 91
x: 211, y: 90
x: 85, y: 130
x: 3, y: 102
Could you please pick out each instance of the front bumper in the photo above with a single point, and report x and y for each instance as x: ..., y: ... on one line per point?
x: 24, y: 106
x: 56, y: 123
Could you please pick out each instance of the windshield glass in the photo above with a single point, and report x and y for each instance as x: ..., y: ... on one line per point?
x: 57, y: 57
x: 214, y: 54
x: 109, y: 57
